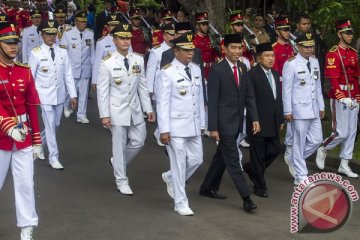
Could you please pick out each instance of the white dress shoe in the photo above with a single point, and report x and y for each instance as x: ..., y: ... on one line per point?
x: 344, y: 168
x: 287, y: 160
x: 125, y: 189
x: 83, y: 120
x: 184, y: 211
x: 169, y: 185
x: 26, y: 233
x: 320, y: 157
x: 159, y: 143
x: 244, y: 144
x: 56, y: 165
x: 67, y: 112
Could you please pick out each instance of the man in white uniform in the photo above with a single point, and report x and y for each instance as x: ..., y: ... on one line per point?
x: 52, y: 72
x: 122, y: 98
x: 30, y: 37
x: 181, y: 117
x: 153, y: 66
x: 79, y: 42
x: 303, y: 103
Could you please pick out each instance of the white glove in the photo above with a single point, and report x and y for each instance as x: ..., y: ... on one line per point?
x: 38, y: 152
x: 15, y: 134
x: 347, y: 102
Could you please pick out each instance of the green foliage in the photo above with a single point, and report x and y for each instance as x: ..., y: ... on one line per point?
x: 148, y: 3
x: 324, y: 13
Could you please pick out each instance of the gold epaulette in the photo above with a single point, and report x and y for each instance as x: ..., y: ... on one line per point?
x: 334, y: 48
x: 62, y: 46
x: 166, y: 66
x: 106, y: 57
x: 274, y: 44
x: 37, y: 49
x: 22, y: 64
x: 68, y: 29
x: 353, y: 49
x: 100, y: 39
x: 290, y: 59
x: 157, y: 46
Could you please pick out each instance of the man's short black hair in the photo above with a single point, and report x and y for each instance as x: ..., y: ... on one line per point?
x: 302, y: 16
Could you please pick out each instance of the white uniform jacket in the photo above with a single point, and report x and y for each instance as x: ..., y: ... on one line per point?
x: 302, y: 94
x: 153, y: 65
x: 52, y: 78
x: 123, y: 95
x: 30, y: 40
x: 80, y: 51
x: 104, y: 46
x: 180, y: 101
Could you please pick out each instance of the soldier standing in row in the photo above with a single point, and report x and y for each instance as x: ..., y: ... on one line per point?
x: 19, y: 129
x: 60, y: 16
x: 141, y: 40
x: 342, y: 69
x: 79, y: 42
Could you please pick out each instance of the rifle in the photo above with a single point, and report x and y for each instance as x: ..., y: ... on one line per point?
x: 125, y: 18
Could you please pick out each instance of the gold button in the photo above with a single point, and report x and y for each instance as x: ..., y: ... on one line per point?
x: 13, y: 84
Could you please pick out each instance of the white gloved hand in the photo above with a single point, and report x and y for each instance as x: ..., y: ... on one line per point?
x: 348, y: 102
x: 15, y: 134
x: 38, y: 152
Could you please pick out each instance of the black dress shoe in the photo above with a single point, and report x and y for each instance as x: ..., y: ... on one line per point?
x: 211, y: 194
x: 261, y: 193
x: 249, y: 205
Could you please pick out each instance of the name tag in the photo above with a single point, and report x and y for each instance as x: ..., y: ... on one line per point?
x: 181, y: 80
x: 73, y: 38
x: 31, y: 34
x: 117, y: 69
x: 43, y: 60
x: 4, y: 81
x: 301, y: 72
x: 107, y: 46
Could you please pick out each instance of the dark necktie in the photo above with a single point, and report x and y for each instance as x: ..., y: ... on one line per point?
x: 236, y: 76
x: 61, y: 29
x: 308, y: 66
x: 187, y: 70
x: 52, y: 53
x: 126, y: 63
x: 81, y: 35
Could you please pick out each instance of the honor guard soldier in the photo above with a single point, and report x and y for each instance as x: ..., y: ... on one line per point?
x: 283, y: 50
x: 104, y: 46
x: 122, y: 98
x: 31, y: 38
x: 342, y: 69
x: 181, y: 118
x: 303, y: 103
x: 19, y: 129
x: 24, y: 16
x: 166, y: 18
x: 153, y: 66
x: 203, y: 42
x: 52, y: 72
x: 60, y: 17
x: 79, y: 42
x: 141, y: 39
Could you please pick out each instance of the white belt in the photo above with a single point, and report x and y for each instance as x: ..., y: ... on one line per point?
x: 22, y: 118
x: 345, y: 87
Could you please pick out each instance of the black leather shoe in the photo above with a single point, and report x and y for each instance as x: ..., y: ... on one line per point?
x: 211, y: 194
x: 249, y: 205
x: 261, y: 193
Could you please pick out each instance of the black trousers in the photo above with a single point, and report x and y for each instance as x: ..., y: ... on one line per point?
x: 263, y: 151
x: 226, y: 156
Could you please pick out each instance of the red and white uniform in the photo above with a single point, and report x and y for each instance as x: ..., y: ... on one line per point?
x: 282, y: 51
x: 208, y: 52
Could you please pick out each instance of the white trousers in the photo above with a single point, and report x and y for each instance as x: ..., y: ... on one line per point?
x: 51, y: 115
x: 22, y: 168
x: 307, y: 137
x: 344, y: 123
x: 126, y: 144
x: 82, y: 88
x: 186, y: 155
x: 288, y: 135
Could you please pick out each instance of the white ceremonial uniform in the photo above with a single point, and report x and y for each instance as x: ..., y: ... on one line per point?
x: 180, y: 107
x: 30, y: 40
x: 302, y: 97
x: 61, y: 30
x: 81, y: 56
x: 123, y: 96
x: 53, y: 79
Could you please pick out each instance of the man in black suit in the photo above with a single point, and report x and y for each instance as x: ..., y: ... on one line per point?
x: 101, y: 19
x: 265, y: 145
x: 229, y: 91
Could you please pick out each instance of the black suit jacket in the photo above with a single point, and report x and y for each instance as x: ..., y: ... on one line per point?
x: 100, y: 22
x: 269, y: 109
x: 169, y: 55
x: 226, y: 101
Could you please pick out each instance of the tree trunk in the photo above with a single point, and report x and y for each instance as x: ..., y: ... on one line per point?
x: 215, y: 8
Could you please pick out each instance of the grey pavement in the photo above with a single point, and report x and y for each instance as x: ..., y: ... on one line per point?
x: 81, y: 202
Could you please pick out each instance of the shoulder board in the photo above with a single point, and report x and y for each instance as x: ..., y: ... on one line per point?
x: 156, y: 30
x: 166, y: 66
x: 22, y: 65
x: 313, y: 56
x: 89, y: 29
x: 62, y: 46
x: 106, y: 57
x: 157, y: 46
x: 70, y: 28
x: 353, y: 49
x: 136, y: 54
x: 334, y: 48
x: 290, y: 59
x: 37, y: 49
x: 100, y: 38
x: 274, y: 44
